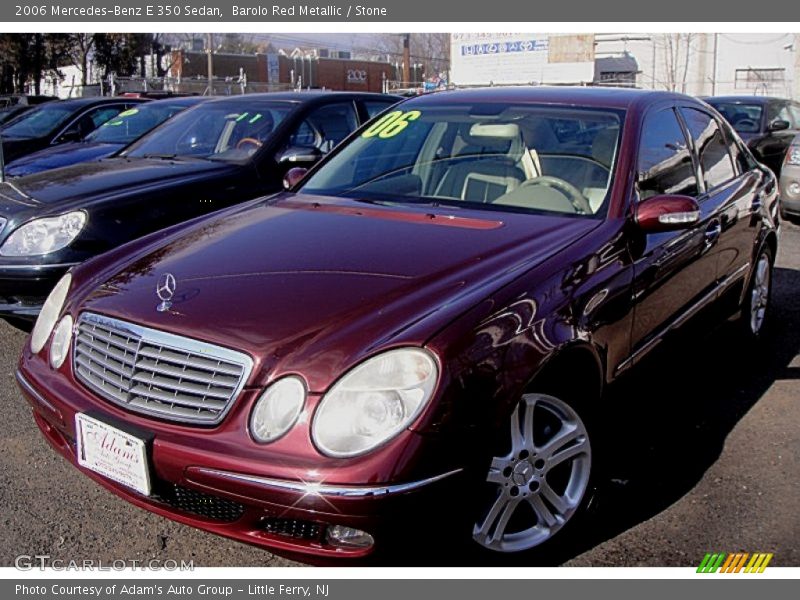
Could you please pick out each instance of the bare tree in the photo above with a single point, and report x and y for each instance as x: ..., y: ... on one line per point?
x: 78, y: 48
x: 25, y: 59
x: 430, y: 51
x: 677, y: 52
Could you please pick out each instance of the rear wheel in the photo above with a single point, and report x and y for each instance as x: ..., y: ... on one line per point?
x: 541, y: 483
x: 755, y: 308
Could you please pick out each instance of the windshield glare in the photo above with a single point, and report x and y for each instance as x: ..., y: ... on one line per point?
x: 38, y: 122
x: 513, y: 158
x: 215, y: 131
x: 744, y: 118
x: 133, y: 124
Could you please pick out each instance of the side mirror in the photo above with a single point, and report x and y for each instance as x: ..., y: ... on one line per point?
x: 293, y: 177
x: 779, y: 125
x: 667, y: 213
x: 299, y: 155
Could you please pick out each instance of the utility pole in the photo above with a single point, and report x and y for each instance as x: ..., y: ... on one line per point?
x: 210, y: 52
x: 714, y: 67
x: 406, y: 58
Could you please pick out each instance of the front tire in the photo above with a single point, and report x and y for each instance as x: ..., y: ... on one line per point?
x: 542, y: 483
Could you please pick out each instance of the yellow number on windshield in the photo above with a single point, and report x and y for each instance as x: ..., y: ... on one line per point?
x: 391, y: 124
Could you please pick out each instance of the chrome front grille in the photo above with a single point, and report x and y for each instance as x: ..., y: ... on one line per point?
x: 157, y: 373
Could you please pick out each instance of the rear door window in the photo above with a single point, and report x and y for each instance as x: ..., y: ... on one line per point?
x: 375, y: 107
x: 711, y: 147
x: 325, y: 127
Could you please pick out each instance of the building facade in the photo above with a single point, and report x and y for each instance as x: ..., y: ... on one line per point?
x: 702, y: 64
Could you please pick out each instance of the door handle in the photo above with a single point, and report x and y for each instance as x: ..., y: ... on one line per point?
x: 712, y: 233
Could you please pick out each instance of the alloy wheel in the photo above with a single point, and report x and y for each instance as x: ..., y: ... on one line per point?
x: 759, y: 294
x: 540, y: 483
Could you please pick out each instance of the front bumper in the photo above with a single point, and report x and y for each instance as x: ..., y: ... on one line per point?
x: 288, y: 516
x: 790, y: 203
x: 790, y: 206
x: 24, y: 288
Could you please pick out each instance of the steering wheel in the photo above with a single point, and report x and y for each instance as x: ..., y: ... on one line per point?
x: 746, y: 123
x: 573, y: 194
x: 248, y: 141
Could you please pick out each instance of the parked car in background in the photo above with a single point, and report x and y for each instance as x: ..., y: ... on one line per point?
x: 414, y: 340
x: 767, y: 124
x: 59, y: 122
x: 110, y: 137
x: 7, y: 100
x: 790, y: 181
x: 8, y: 113
x: 219, y: 153
x: 13, y: 105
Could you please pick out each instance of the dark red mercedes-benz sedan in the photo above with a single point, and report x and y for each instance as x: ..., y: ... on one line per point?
x: 411, y: 342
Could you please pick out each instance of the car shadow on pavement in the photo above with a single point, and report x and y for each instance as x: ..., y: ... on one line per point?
x: 666, y: 422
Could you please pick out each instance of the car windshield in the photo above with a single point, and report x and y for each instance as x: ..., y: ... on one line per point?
x: 745, y: 118
x: 38, y: 122
x: 133, y: 123
x: 519, y: 158
x: 214, y: 130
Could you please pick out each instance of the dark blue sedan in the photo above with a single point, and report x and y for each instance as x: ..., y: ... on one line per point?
x: 111, y: 137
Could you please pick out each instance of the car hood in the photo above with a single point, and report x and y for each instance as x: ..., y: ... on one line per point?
x: 109, y: 177
x: 60, y: 156
x: 312, y: 284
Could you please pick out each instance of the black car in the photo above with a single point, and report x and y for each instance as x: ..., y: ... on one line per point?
x: 58, y: 122
x: 13, y: 105
x: 108, y: 139
x: 767, y: 124
x: 216, y: 154
x: 7, y: 113
x: 7, y: 100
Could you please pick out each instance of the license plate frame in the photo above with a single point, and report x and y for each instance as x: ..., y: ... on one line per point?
x: 113, y: 453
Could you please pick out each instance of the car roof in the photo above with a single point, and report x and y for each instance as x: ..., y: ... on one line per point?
x: 744, y: 99
x: 76, y: 103
x: 179, y: 101
x: 306, y: 96
x: 605, y: 97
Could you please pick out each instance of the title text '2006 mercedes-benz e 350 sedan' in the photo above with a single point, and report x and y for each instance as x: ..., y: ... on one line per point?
x: 413, y: 340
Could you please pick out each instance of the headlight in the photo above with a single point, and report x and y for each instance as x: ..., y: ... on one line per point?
x: 42, y: 236
x: 60, y: 344
x: 49, y: 314
x: 793, y: 156
x: 277, y: 409
x: 374, y: 402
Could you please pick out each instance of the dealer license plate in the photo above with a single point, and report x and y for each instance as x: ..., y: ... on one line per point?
x: 112, y: 453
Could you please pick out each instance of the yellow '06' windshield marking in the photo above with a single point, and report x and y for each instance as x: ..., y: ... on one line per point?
x: 390, y: 124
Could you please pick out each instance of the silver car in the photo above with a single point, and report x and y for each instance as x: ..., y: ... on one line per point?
x: 790, y: 181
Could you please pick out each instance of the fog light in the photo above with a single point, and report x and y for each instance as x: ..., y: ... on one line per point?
x: 347, y: 537
x: 794, y: 188
x: 59, y: 346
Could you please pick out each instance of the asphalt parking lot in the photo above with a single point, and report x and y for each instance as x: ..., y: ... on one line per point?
x: 706, y: 458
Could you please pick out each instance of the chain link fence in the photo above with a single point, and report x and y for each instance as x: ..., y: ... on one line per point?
x: 171, y: 85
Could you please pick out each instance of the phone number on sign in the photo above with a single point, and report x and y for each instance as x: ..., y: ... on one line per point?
x: 150, y: 10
